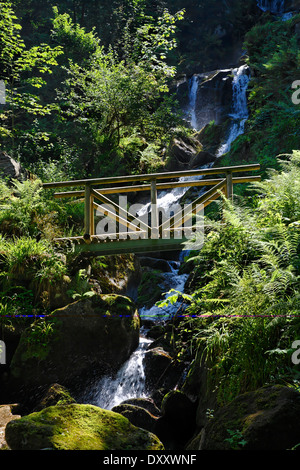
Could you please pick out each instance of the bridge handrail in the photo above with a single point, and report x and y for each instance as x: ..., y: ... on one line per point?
x: 152, y: 176
x: 89, y: 193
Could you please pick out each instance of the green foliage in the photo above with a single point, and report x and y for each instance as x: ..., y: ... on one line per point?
x: 26, y: 210
x: 38, y: 337
x: 25, y: 258
x: 244, y: 312
x: 273, y: 125
x: 23, y: 72
x: 123, y: 105
x: 236, y: 439
x: 78, y: 44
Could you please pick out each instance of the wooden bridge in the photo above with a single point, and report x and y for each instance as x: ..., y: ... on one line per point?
x: 133, y: 234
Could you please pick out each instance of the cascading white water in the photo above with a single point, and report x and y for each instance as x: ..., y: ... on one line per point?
x: 129, y: 382
x: 172, y: 280
x: 274, y: 6
x: 239, y: 115
x: 193, y: 89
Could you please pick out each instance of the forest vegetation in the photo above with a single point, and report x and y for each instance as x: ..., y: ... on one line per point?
x: 89, y: 93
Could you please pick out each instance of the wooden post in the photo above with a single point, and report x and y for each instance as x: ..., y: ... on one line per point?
x: 229, y: 186
x: 87, y: 213
x: 154, y: 211
x: 92, y: 225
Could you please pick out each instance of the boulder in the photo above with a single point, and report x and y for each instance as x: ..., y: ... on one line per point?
x: 155, y: 263
x: 182, y: 151
x: 265, y: 419
x: 55, y: 395
x: 78, y: 427
x: 10, y: 169
x: 96, y: 334
x: 151, y: 288
x: 137, y: 415
x: 7, y: 414
x: 202, y: 158
x: 146, y: 403
x: 177, y: 424
x: 156, y: 362
x: 161, y: 371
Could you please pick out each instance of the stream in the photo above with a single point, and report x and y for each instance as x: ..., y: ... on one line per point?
x: 129, y: 382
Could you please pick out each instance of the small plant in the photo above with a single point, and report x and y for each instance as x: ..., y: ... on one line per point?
x: 236, y: 439
x: 80, y: 286
x: 39, y: 336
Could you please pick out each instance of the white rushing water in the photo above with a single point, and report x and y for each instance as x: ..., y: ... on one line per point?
x: 172, y: 280
x: 129, y: 382
x: 239, y: 115
x: 193, y: 89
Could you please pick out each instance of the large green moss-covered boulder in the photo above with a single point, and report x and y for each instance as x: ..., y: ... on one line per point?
x: 78, y: 427
x: 93, y: 334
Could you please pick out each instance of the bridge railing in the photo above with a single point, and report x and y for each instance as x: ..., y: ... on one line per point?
x: 97, y: 189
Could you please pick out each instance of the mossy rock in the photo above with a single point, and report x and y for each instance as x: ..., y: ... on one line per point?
x: 92, y: 335
x: 265, y: 419
x: 151, y: 288
x: 78, y: 427
x: 137, y: 415
x: 55, y: 395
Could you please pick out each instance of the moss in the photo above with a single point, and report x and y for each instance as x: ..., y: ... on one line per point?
x: 78, y: 427
x: 150, y: 289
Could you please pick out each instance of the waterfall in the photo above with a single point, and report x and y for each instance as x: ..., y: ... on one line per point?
x: 129, y: 382
x: 274, y: 6
x: 193, y: 88
x: 172, y: 280
x: 239, y: 115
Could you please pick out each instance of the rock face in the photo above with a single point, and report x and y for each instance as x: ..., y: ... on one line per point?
x: 78, y: 427
x: 10, y: 169
x: 266, y: 419
x: 207, y: 96
x: 94, y: 334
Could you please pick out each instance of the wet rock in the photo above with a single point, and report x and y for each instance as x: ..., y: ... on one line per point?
x: 78, y: 427
x: 182, y: 151
x: 266, y: 419
x: 151, y: 288
x: 213, y: 96
x: 161, y: 371
x: 155, y: 331
x: 155, y: 263
x: 202, y: 158
x: 156, y: 362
